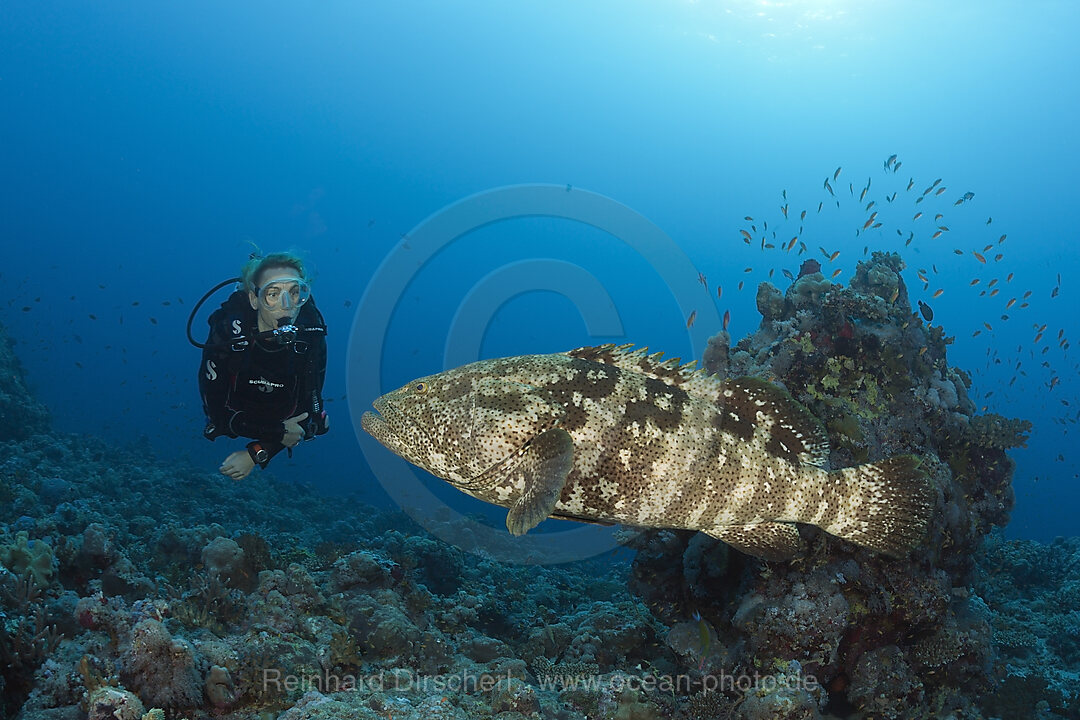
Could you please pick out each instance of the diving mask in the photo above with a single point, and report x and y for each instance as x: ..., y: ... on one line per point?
x: 283, y: 293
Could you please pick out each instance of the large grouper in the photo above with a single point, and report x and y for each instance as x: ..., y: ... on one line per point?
x: 609, y: 434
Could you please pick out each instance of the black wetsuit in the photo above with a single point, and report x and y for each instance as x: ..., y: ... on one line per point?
x: 249, y: 387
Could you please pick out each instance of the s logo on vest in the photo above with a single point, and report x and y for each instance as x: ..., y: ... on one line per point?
x: 211, y: 370
x: 236, y: 326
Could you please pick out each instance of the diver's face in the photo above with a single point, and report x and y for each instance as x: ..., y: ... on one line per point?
x: 278, y: 297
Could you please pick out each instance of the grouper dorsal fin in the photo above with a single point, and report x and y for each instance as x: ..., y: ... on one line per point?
x: 757, y: 410
x: 688, y: 376
x: 543, y: 468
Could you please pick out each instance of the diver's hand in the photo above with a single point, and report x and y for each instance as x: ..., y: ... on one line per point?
x: 238, y: 465
x: 293, y: 432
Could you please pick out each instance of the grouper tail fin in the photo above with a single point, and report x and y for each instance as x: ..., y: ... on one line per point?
x: 885, y: 505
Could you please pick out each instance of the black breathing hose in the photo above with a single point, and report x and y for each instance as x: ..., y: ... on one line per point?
x: 199, y: 304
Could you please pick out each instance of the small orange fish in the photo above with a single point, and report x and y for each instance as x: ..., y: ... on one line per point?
x: 791, y: 244
x: 979, y: 257
x: 976, y: 333
x: 727, y: 319
x: 1001, y: 239
x: 1009, y: 278
x: 938, y: 292
x: 1038, y: 337
x: 719, y: 292
x: 997, y: 258
x: 994, y: 292
x: 745, y: 234
x: 690, y: 320
x: 992, y: 283
x: 922, y: 276
x: 974, y: 282
x: 917, y: 215
x: 1027, y: 294
x: 940, y: 190
x: 1012, y: 301
x: 836, y: 272
x: 988, y: 247
x: 987, y: 326
x: 741, y: 283
x: 835, y: 255
x: 749, y: 269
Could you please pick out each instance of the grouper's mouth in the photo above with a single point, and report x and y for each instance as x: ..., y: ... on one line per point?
x: 373, y: 421
x: 376, y: 425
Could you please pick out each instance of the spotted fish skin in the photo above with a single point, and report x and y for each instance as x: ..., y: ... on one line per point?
x: 613, y: 435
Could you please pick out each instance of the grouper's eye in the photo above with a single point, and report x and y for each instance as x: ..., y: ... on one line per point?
x: 420, y: 388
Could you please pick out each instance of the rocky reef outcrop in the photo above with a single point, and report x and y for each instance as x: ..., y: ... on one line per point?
x: 889, y: 638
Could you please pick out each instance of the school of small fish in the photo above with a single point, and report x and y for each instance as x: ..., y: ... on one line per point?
x: 989, y: 278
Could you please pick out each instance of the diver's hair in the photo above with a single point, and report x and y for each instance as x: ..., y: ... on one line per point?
x: 257, y: 263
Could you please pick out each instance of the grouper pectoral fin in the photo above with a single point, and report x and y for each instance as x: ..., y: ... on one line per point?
x: 767, y: 540
x: 543, y: 467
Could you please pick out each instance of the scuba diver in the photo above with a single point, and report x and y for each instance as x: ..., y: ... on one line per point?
x: 263, y: 365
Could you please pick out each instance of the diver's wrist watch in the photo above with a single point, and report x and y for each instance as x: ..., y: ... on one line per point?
x: 258, y: 453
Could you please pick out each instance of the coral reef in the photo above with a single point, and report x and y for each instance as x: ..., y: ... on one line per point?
x: 126, y: 592
x: 21, y: 415
x: 886, y: 637
x: 1035, y: 620
x: 109, y: 613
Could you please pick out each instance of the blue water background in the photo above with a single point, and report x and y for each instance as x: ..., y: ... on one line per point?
x: 143, y: 146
